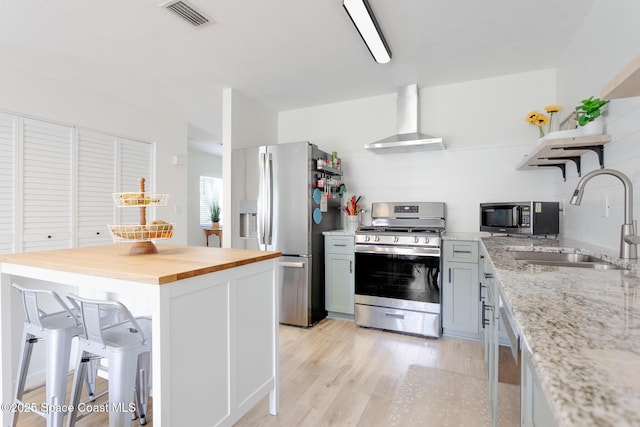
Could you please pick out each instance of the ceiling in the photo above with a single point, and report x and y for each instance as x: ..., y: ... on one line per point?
x: 285, y: 54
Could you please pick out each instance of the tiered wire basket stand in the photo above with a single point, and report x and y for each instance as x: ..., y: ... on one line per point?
x: 141, y: 235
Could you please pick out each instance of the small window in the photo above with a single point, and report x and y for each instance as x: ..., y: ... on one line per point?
x: 210, y: 193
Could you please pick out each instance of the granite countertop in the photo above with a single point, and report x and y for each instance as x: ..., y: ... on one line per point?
x: 582, y: 326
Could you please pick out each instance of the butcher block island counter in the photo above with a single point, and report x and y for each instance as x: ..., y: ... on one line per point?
x: 214, y: 315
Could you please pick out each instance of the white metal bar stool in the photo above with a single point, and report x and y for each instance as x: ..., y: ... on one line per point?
x: 57, y: 330
x: 126, y: 345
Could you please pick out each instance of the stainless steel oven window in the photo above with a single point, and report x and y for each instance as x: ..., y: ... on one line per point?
x: 405, y: 277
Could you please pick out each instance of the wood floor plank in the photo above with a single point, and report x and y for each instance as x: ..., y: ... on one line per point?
x: 338, y: 374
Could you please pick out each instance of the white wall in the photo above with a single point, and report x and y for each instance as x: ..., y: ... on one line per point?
x: 28, y: 93
x: 482, y: 123
x: 606, y: 42
x: 199, y: 164
x: 245, y: 123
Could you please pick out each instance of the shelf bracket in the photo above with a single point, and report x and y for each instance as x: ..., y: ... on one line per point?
x: 562, y: 167
x: 574, y: 159
x: 598, y: 149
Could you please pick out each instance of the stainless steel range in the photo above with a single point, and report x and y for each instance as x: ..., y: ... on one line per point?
x: 397, y: 268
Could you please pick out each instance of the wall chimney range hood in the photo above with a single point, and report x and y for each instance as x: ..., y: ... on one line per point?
x: 408, y: 139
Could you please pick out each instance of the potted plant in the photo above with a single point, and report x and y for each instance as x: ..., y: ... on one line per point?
x: 587, y: 112
x: 215, y: 214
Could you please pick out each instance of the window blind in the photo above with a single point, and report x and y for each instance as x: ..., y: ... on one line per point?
x: 210, y: 193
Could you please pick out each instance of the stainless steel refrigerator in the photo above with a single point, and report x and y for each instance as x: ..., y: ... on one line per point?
x: 275, y: 191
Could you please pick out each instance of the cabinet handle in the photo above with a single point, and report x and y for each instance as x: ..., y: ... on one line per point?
x: 341, y: 244
x: 49, y: 236
x: 488, y: 276
x: 449, y: 274
x: 484, y: 319
x: 350, y: 266
x: 461, y: 252
x: 481, y: 296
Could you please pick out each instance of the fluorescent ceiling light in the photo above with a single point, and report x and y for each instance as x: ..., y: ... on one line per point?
x: 362, y: 17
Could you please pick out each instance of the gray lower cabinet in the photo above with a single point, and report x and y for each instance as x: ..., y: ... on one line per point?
x: 460, y: 289
x: 489, y: 325
x: 339, y: 276
x: 490, y: 344
x: 534, y: 406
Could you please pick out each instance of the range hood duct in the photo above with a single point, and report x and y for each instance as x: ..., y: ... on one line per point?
x: 408, y: 139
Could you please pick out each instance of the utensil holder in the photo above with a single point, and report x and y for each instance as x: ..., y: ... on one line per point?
x: 353, y: 222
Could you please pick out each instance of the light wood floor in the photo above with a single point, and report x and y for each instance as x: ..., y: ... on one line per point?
x: 337, y: 374
x: 96, y: 419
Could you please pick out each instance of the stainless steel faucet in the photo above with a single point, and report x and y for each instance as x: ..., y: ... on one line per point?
x: 628, y: 239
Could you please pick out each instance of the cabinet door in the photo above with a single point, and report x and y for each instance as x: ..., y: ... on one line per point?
x: 534, y: 405
x: 96, y: 183
x: 136, y: 161
x: 491, y: 350
x: 340, y: 283
x: 460, y: 294
x: 47, y: 187
x: 7, y: 178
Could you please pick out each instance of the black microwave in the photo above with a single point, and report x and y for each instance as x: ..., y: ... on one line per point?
x: 533, y: 218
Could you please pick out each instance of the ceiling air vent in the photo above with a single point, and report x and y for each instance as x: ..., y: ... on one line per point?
x: 186, y: 12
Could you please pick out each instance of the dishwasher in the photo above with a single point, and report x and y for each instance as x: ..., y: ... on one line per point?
x: 510, y: 327
x: 508, y: 410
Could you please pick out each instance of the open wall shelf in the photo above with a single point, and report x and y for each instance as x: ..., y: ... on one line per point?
x: 559, y: 152
x: 624, y: 85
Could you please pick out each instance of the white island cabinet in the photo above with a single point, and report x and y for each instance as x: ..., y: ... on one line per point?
x: 214, y: 315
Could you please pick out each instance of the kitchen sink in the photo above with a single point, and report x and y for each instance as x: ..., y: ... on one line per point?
x: 564, y: 260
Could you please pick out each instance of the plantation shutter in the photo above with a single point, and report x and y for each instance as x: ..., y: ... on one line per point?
x: 47, y: 186
x: 7, y: 183
x: 136, y: 161
x: 96, y: 183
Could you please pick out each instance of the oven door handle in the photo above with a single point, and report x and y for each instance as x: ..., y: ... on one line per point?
x: 395, y: 250
x: 394, y: 315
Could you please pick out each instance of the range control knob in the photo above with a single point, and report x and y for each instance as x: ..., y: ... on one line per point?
x: 426, y: 240
x: 416, y: 239
x: 367, y: 238
x: 377, y: 239
x: 395, y: 239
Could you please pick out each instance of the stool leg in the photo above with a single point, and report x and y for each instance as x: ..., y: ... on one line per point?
x: 142, y: 385
x: 57, y: 365
x: 76, y: 388
x: 90, y: 378
x: 122, y: 381
x: 25, y: 358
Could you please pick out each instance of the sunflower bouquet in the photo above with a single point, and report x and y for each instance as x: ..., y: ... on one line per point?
x: 541, y: 119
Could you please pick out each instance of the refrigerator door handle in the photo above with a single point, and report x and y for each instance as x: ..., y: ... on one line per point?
x: 291, y: 264
x: 268, y: 199
x: 261, y: 199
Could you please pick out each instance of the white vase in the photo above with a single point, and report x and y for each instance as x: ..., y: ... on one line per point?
x: 569, y: 133
x: 595, y: 127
